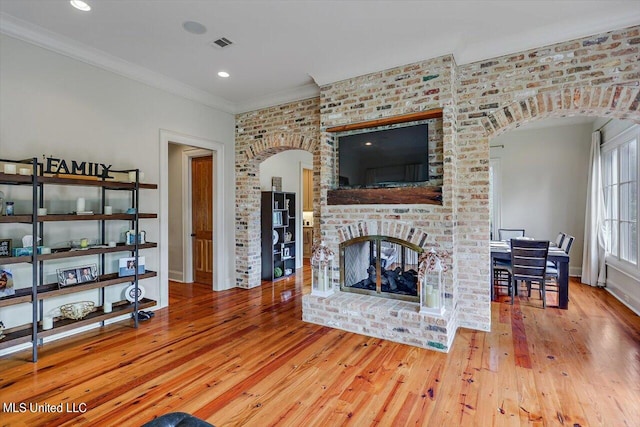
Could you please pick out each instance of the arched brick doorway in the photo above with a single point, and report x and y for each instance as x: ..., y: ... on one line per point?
x: 247, y: 213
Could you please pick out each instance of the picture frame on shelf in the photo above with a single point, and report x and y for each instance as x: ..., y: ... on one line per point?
x: 71, y: 276
x: 88, y: 273
x: 126, y: 266
x: 277, y: 218
x: 6, y: 283
x: 5, y: 247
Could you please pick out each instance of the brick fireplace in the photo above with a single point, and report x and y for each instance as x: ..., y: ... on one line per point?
x: 370, y: 314
x: 478, y: 101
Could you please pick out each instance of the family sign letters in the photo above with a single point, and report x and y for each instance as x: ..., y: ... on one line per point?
x: 60, y: 166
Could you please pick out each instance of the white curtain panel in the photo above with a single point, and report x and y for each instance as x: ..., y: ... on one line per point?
x: 593, y: 254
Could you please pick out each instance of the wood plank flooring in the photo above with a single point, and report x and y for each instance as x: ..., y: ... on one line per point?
x: 244, y: 358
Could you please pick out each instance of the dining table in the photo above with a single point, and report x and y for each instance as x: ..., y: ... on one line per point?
x: 501, y: 250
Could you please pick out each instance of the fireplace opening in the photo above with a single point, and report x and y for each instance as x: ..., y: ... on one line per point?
x: 381, y: 266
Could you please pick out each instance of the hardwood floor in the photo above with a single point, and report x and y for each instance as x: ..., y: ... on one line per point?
x: 244, y: 358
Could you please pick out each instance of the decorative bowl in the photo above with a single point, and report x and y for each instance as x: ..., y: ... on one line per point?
x: 77, y: 310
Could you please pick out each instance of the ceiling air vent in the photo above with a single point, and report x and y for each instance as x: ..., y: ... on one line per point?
x: 221, y: 42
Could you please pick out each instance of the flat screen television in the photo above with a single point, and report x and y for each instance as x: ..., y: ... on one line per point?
x: 389, y: 156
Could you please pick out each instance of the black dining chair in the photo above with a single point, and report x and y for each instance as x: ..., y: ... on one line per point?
x: 560, y: 238
x: 529, y: 264
x: 501, y: 277
x: 510, y: 233
x: 552, y: 269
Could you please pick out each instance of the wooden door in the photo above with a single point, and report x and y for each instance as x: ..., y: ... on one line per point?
x: 202, y: 218
x: 307, y: 199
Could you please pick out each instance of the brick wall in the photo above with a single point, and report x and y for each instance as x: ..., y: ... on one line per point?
x: 259, y: 135
x: 594, y: 76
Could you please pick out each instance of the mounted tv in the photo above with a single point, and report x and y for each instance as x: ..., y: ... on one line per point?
x: 388, y: 156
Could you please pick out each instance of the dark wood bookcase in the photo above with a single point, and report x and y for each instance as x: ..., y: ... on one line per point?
x: 279, y: 239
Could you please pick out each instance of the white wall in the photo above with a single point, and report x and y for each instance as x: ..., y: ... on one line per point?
x: 287, y: 166
x: 51, y: 104
x: 544, y: 182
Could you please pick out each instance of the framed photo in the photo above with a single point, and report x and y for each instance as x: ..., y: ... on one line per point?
x: 126, y: 266
x: 6, y: 283
x: 5, y: 247
x: 87, y: 273
x: 277, y: 218
x: 77, y: 275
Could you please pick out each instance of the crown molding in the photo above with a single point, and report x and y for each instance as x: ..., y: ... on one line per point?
x: 38, y: 36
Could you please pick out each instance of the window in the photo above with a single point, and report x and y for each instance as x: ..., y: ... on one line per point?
x: 620, y: 185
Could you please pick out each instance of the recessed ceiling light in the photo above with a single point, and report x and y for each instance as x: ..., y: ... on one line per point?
x: 223, y: 74
x: 80, y: 5
x: 368, y: 143
x: 194, y: 27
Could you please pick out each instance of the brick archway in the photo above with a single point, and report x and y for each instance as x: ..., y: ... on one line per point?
x: 615, y: 101
x: 248, y: 159
x: 621, y: 102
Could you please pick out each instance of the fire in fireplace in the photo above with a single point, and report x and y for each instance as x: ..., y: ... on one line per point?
x: 381, y: 266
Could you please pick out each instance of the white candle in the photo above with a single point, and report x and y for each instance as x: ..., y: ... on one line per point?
x: 106, y: 306
x: 108, y: 210
x: 80, y: 204
x: 47, y: 323
x: 9, y: 169
x: 431, y: 300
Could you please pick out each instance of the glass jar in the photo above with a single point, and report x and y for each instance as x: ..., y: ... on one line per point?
x: 9, y: 208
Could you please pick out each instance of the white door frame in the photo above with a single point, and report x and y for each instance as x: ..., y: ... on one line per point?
x: 217, y: 148
x: 187, y: 220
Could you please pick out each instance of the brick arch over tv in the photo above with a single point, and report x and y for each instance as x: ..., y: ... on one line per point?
x: 248, y: 209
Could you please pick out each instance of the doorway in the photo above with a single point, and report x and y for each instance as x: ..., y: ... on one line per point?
x: 202, y: 218
x: 177, y: 150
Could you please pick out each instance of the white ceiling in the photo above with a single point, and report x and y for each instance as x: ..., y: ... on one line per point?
x: 284, y: 49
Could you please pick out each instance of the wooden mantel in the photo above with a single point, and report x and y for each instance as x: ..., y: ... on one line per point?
x: 405, y: 118
x: 429, y: 195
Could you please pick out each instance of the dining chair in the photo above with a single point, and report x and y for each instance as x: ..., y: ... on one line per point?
x: 529, y: 264
x: 510, y: 233
x: 552, y: 269
x: 559, y: 239
x: 502, y: 277
x: 566, y: 243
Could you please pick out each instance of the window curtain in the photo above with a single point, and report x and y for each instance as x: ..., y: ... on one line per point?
x: 594, y: 251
